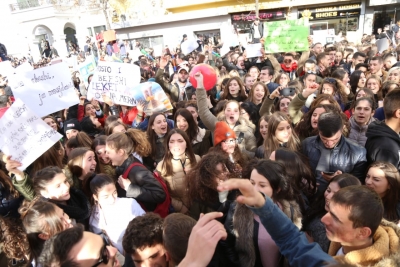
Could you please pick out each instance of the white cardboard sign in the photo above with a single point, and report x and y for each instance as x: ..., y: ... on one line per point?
x: 188, y: 46
x: 253, y: 50
x: 24, y: 135
x: 112, y: 79
x: 46, y: 90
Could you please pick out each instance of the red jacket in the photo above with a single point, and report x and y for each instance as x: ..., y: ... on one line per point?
x: 81, y: 115
x: 129, y: 116
x: 2, y: 111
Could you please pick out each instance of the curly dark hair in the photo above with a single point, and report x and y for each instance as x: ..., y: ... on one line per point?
x: 143, y: 231
x: 201, y: 180
x: 13, y: 239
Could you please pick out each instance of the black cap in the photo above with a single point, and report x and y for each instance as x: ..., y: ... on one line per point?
x: 72, y: 124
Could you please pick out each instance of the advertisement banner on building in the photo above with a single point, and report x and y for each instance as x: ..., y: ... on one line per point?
x: 331, y: 12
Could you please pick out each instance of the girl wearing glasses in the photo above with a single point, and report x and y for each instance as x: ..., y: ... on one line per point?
x: 231, y: 115
x: 280, y: 134
x: 178, y: 160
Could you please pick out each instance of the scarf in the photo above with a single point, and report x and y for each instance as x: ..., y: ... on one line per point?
x: 293, y: 67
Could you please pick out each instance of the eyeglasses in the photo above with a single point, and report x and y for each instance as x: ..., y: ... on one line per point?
x: 104, y: 254
x: 230, y: 141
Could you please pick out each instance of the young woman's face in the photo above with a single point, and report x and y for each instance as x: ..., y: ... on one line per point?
x: 283, y: 132
x: 373, y: 85
x: 258, y: 93
x: 71, y: 133
x: 328, y: 89
x: 338, y: 57
x: 394, y: 76
x: 194, y: 112
x: 261, y: 183
x: 107, y: 195
x: 177, y: 145
x: 263, y: 129
x: 181, y: 123
x: 160, y: 125
x: 232, y: 112
x: 116, y: 157
x: 88, y: 163
x: 362, y: 112
x: 51, y: 123
x: 283, y: 80
x: 101, y: 154
x: 346, y: 79
x: 234, y: 88
x: 64, y: 218
x: 376, y: 180
x: 284, y: 105
x: 315, y: 116
x: 119, y: 129
x: 254, y: 73
x: 333, y: 187
x: 309, y: 80
x: 361, y: 81
x: 228, y: 145
x: 90, y: 110
x: 57, y: 189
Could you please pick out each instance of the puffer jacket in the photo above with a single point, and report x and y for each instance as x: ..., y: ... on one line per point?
x: 144, y: 187
x: 347, y: 157
x: 177, y: 183
x: 384, y: 252
x: 242, y: 242
x: 243, y: 125
x: 9, y: 204
x: 357, y: 132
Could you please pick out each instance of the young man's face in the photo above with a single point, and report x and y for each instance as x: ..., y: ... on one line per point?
x: 338, y: 226
x: 265, y: 76
x: 150, y: 257
x: 374, y: 66
x: 317, y: 49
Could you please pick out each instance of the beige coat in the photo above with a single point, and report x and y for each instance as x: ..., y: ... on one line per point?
x: 177, y: 184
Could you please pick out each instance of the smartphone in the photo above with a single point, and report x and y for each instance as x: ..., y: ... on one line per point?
x: 288, y: 91
x: 329, y: 173
x: 241, y: 137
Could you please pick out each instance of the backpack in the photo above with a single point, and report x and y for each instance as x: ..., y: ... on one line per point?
x: 162, y: 208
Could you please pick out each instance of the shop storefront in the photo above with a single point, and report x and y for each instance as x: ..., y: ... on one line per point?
x: 333, y: 19
x: 242, y: 22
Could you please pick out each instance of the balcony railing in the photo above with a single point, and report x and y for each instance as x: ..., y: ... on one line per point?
x: 26, y: 4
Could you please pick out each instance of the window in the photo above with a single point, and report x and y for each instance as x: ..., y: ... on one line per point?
x: 98, y: 29
x: 147, y: 42
x: 90, y: 32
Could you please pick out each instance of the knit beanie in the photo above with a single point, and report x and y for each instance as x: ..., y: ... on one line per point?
x: 72, y: 124
x: 222, y: 132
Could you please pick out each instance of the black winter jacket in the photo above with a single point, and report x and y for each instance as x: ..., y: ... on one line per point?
x: 144, y: 187
x: 383, y: 144
x: 347, y: 157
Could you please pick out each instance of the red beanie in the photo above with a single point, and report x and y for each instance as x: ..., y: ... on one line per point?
x: 222, y: 132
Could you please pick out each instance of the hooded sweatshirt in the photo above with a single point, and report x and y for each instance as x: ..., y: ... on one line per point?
x: 383, y: 144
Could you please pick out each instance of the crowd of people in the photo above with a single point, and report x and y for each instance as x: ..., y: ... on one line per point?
x: 291, y: 159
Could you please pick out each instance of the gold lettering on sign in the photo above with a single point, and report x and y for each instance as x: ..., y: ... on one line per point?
x: 333, y: 8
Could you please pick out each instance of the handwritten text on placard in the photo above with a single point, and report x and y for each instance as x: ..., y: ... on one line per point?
x: 113, y: 79
x: 24, y: 135
x: 285, y: 36
x: 46, y: 90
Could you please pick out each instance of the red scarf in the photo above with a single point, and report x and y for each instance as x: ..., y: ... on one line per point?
x: 293, y: 67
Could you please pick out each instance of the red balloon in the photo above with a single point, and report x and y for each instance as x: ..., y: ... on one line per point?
x: 209, y: 75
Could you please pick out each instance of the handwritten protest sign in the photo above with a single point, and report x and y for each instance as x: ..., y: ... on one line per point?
x: 152, y: 96
x: 46, y: 90
x: 253, y: 50
x: 24, y: 135
x: 382, y: 44
x: 112, y: 79
x: 285, y: 36
x: 87, y: 68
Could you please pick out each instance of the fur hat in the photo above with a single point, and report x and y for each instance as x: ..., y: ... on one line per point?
x: 222, y: 132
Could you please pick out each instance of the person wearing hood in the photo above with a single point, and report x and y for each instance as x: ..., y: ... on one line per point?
x: 363, y: 112
x: 383, y: 143
x: 182, y: 89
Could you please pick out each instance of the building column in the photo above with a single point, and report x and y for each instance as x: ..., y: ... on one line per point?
x: 368, y: 20
x: 59, y: 44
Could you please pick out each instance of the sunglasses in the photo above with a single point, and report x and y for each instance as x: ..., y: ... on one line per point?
x: 330, y: 80
x: 104, y: 254
x: 287, y: 61
x: 311, y: 72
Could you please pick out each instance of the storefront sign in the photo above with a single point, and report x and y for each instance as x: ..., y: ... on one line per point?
x: 341, y: 11
x: 263, y: 15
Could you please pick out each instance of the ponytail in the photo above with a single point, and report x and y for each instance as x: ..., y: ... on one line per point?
x: 132, y: 141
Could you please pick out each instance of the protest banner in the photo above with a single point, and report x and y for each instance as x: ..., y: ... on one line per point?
x: 157, y: 50
x: 286, y: 36
x: 112, y: 79
x: 382, y: 44
x: 24, y: 135
x: 24, y: 67
x: 188, y: 46
x: 87, y: 68
x: 46, y: 90
x: 253, y: 50
x: 152, y: 96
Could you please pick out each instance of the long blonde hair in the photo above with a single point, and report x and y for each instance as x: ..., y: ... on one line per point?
x: 271, y: 143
